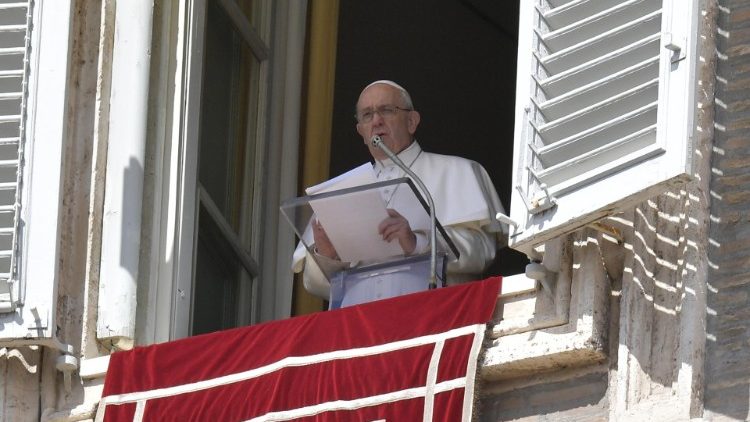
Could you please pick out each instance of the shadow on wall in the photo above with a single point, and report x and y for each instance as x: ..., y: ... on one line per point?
x: 666, y: 293
x: 727, y: 364
x: 578, y: 398
x: 659, y: 302
x: 131, y: 219
x: 647, y: 274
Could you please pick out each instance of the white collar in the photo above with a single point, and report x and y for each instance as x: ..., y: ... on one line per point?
x: 408, y: 156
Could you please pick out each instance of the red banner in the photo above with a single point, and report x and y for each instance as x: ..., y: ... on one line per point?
x: 409, y: 358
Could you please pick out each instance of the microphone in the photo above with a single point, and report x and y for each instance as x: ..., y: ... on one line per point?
x: 377, y: 141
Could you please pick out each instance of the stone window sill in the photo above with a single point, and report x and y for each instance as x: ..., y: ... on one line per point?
x: 537, y: 330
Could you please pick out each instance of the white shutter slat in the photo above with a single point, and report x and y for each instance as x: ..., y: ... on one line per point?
x: 11, y: 95
x: 591, y: 78
x: 557, y: 3
x: 11, y: 119
x: 14, y: 5
x: 12, y: 51
x: 13, y: 28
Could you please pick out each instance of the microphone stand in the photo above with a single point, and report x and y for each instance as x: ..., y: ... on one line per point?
x: 377, y: 141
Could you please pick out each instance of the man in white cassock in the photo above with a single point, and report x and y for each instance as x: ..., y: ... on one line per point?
x: 465, y: 201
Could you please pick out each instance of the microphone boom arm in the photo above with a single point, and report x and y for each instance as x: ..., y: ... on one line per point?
x: 377, y: 141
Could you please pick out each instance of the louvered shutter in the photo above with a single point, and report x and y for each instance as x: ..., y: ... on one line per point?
x: 34, y: 67
x: 14, y: 45
x: 604, y: 109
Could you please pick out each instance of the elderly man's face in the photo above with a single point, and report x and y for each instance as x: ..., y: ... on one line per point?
x: 396, y: 130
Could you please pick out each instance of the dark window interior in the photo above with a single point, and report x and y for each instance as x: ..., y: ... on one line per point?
x: 457, y: 58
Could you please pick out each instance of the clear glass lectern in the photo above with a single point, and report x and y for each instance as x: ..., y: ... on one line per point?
x: 370, y: 268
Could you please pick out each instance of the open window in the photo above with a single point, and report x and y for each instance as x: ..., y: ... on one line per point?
x: 457, y: 59
x: 604, y: 110
x: 220, y: 165
x: 226, y: 258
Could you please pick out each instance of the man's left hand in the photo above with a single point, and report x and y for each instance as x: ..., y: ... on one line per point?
x: 397, y: 227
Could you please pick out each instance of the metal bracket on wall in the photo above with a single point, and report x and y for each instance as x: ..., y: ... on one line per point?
x: 66, y: 362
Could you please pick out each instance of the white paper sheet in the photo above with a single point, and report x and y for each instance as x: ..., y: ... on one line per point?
x: 359, y: 176
x: 351, y: 221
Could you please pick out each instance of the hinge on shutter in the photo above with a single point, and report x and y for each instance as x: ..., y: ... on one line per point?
x: 675, y: 45
x: 537, y: 205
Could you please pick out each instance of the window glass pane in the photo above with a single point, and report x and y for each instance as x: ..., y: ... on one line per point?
x: 227, y: 128
x: 218, y: 278
x: 226, y: 172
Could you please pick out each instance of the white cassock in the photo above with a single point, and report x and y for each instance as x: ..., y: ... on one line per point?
x: 465, y: 203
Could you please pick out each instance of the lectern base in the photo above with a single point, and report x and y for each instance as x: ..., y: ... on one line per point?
x: 382, y: 281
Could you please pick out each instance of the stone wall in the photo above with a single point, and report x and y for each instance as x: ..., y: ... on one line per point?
x: 569, y: 396
x: 655, y: 338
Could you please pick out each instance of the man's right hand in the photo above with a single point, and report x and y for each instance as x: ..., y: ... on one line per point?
x: 396, y: 227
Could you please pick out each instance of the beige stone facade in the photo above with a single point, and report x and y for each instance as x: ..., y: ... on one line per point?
x: 648, y: 323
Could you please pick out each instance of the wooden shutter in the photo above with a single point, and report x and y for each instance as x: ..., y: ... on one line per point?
x: 14, y: 47
x: 35, y: 62
x: 603, y: 109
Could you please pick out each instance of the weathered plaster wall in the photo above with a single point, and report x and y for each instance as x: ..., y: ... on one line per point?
x: 650, y: 280
x: 20, y: 382
x: 727, y: 384
x: 73, y: 293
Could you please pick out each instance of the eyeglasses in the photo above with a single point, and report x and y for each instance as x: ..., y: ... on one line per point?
x: 385, y: 111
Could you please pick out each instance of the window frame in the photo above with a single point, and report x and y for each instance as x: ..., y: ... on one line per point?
x: 246, y: 239
x: 166, y: 287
